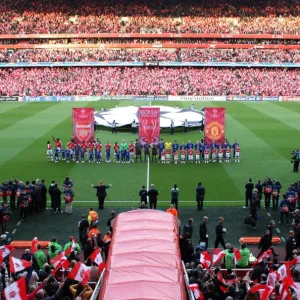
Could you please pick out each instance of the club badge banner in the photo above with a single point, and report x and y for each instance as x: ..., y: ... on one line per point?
x: 214, y: 125
x: 149, y: 125
x: 83, y: 124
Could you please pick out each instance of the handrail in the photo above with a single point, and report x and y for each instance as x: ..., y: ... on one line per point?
x: 186, y: 279
x: 98, y: 287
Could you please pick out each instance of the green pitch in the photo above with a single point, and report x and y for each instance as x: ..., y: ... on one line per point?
x: 267, y: 132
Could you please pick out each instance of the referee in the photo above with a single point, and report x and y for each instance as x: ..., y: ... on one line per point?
x: 174, y: 196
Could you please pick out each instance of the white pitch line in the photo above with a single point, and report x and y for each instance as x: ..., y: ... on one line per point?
x: 277, y: 229
x: 107, y: 201
x: 269, y: 215
x: 14, y: 231
x: 283, y: 239
x: 19, y: 223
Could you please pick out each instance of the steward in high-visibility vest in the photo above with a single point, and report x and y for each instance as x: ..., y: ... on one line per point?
x: 107, y: 238
x: 93, y: 217
x: 173, y: 211
x: 93, y: 232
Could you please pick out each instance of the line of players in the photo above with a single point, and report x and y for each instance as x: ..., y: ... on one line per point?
x: 162, y: 152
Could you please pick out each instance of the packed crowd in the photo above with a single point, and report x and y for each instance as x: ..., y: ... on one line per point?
x: 149, y: 81
x: 156, y: 16
x: 184, y: 55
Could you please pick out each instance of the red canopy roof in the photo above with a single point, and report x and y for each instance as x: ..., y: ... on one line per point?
x: 144, y: 260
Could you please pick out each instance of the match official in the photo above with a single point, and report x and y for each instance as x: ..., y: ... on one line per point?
x: 101, y: 193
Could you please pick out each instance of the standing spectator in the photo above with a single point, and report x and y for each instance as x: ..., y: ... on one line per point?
x: 219, y: 233
x: 101, y: 193
x: 38, y: 197
x: 69, y: 196
x: 188, y: 228
x: 245, y: 253
x: 172, y: 210
x: 51, y: 187
x: 259, y: 188
x: 186, y: 124
x: 284, y: 209
x: 268, y: 192
x: 172, y: 127
x: 23, y: 205
x: 200, y: 193
x: 249, y: 188
x: 43, y: 195
x: 133, y: 127
x: 114, y: 127
x: 229, y: 259
x: 174, y: 196
x: 110, y: 221
x: 4, y: 214
x: 289, y: 246
x: 297, y: 235
x: 143, y: 194
x: 253, y: 209
x: 13, y: 186
x: 83, y: 225
x: 275, y: 193
x: 203, y: 236
x: 153, y: 193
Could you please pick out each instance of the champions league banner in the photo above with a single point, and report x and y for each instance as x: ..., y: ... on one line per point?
x: 149, y: 125
x: 214, y: 125
x: 83, y: 124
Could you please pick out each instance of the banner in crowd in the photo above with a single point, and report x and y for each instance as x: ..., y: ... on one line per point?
x: 150, y: 98
x: 215, y: 118
x: 197, y: 98
x: 149, y: 125
x: 48, y: 98
x: 83, y: 124
x: 98, y: 98
x: 9, y: 98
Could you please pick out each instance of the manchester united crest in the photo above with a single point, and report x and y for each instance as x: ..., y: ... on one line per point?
x: 214, y: 130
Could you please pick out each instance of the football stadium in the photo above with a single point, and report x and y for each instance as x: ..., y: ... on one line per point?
x: 150, y: 149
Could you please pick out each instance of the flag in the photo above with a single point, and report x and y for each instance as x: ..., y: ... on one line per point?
x: 196, y: 291
x: 96, y: 257
x: 237, y: 256
x: 205, y: 260
x: 263, y: 256
x: 223, y: 284
x: 282, y: 271
x: 5, y: 251
x: 272, y: 278
x: 295, y: 261
x: 81, y: 273
x: 16, y: 290
x: 34, y: 245
x: 263, y: 289
x: 217, y: 256
x: 71, y: 248
x: 17, y: 265
x: 60, y: 261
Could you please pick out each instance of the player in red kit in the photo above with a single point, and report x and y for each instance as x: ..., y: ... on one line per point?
x: 214, y: 154
x: 182, y: 156
x: 49, y: 151
x: 237, y: 154
x: 98, y: 151
x: 58, y: 143
x: 175, y: 155
x: 220, y: 155
x: 197, y: 152
x: 107, y: 151
x: 84, y: 147
x: 206, y: 156
x: 190, y: 155
x: 227, y: 155
x: 70, y: 146
x: 168, y: 155
x: 116, y: 148
x: 131, y: 151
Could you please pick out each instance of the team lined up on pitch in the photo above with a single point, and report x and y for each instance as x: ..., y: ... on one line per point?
x: 162, y: 152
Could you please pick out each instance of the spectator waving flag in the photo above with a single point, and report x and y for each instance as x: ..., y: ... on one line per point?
x: 263, y: 290
x: 5, y: 251
x: 205, y: 260
x: 217, y: 256
x: 80, y: 273
x: 97, y: 258
x: 272, y: 278
x: 264, y: 256
x: 282, y: 272
x: 16, y: 290
x: 34, y: 245
x: 237, y: 256
x: 196, y: 291
x: 71, y: 248
x: 59, y: 261
x: 17, y: 265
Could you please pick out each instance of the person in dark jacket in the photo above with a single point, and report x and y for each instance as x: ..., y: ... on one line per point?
x: 56, y: 195
x: 265, y: 243
x: 143, y: 206
x: 249, y: 189
x: 43, y: 195
x: 110, y: 221
x: 259, y: 188
x: 297, y: 235
x: 289, y: 246
x: 219, y: 233
x: 258, y: 271
x: 153, y: 193
x: 188, y: 227
x: 82, y: 227
x: 200, y: 193
x: 12, y: 187
x: 143, y: 194
x: 275, y: 193
x: 101, y: 193
x: 51, y: 187
x: 203, y: 236
x: 38, y: 197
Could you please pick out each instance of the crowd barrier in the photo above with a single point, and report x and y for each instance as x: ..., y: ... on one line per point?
x: 151, y: 35
x: 147, y: 64
x: 150, y: 98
